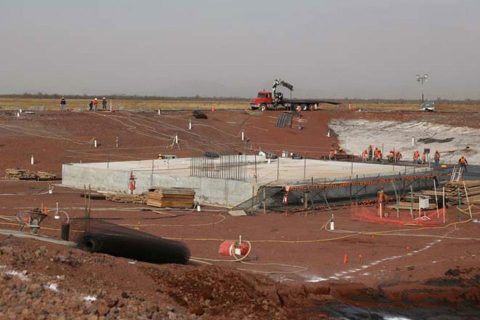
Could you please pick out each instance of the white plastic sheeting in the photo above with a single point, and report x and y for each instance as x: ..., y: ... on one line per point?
x: 452, y: 142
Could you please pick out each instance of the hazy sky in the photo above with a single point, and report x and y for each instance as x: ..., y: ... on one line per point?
x: 325, y: 48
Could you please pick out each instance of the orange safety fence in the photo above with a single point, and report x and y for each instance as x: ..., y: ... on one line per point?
x: 371, y: 214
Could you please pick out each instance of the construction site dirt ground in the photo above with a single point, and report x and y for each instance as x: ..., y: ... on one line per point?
x: 297, y: 269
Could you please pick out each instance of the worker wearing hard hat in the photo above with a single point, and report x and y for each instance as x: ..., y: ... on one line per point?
x: 104, y: 103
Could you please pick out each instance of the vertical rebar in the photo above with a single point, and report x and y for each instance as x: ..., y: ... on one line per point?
x: 151, y: 174
x: 305, y: 167
x: 255, y: 168
x: 278, y: 168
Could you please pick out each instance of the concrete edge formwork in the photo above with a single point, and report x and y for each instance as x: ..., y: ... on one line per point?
x: 326, y: 194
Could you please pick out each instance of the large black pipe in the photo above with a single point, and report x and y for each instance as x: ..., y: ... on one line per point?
x: 101, y: 236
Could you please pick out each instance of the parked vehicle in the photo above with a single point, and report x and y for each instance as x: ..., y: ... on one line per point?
x: 275, y: 100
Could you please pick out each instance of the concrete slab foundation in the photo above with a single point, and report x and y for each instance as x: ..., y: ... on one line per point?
x: 115, y: 176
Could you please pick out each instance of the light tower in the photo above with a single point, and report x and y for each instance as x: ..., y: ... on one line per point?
x: 422, y: 80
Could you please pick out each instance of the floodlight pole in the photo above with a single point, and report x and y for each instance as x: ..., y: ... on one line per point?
x: 422, y: 80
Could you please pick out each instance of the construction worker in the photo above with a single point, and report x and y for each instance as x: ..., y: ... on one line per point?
x: 331, y: 154
x: 104, y: 103
x: 370, y: 152
x: 63, y: 102
x: 416, y: 156
x: 95, y: 104
x: 378, y: 154
x: 90, y: 105
x: 398, y: 156
x: 436, y: 157
x: 424, y: 157
x: 381, y: 199
x: 391, y: 156
x: 462, y: 162
x: 365, y: 155
x: 394, y: 156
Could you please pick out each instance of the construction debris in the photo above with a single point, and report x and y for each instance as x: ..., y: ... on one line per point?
x: 127, y: 198
x: 171, y: 198
x: 24, y: 174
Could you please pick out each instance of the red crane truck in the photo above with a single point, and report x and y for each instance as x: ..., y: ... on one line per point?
x: 274, y: 99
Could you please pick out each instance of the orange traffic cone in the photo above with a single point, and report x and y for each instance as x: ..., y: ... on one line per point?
x: 345, y: 258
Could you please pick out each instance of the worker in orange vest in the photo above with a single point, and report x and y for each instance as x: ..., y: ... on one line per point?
x: 462, y: 162
x: 378, y: 154
x: 416, y: 156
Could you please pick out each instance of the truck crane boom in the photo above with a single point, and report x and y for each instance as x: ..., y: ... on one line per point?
x: 278, y: 96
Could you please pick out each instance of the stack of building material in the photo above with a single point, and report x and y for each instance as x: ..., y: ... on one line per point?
x: 405, y: 205
x: 455, y: 191
x: 24, y: 174
x: 171, y: 198
x: 20, y: 174
x: 126, y: 198
x: 45, y: 176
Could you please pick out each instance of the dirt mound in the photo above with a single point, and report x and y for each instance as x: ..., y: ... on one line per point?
x: 61, y: 283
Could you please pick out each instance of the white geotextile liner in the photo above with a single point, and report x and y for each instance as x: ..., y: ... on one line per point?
x: 355, y: 136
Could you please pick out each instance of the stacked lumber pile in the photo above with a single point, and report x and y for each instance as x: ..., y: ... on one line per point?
x: 453, y: 191
x: 171, y: 198
x: 127, y: 198
x: 404, y: 205
x: 456, y: 189
x: 45, y: 176
x: 24, y: 174
x: 20, y: 174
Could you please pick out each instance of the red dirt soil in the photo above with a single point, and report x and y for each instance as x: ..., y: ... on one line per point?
x: 399, y: 269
